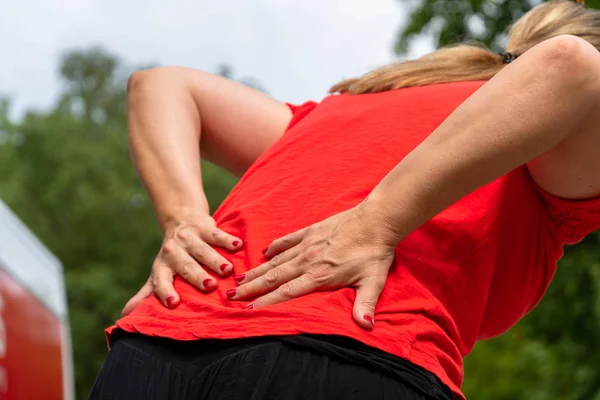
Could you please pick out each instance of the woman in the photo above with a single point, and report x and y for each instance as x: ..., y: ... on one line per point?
x: 421, y: 209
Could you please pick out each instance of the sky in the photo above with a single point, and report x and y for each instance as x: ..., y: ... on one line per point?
x: 295, y: 49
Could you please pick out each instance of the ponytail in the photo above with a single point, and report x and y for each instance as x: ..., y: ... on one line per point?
x: 451, y: 64
x: 466, y: 62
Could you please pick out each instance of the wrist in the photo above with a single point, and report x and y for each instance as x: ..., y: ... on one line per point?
x: 172, y: 216
x: 377, y: 217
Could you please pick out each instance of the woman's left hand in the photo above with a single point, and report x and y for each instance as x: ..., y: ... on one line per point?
x: 345, y: 250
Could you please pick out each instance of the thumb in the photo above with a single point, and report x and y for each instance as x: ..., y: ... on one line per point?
x: 367, y: 295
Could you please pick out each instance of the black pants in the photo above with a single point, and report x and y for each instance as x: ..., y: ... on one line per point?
x: 140, y: 367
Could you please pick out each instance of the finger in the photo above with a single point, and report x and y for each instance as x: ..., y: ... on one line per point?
x: 135, y: 301
x: 292, y: 289
x: 266, y: 283
x: 368, y: 291
x: 184, y: 265
x: 162, y: 280
x: 217, y: 237
x: 262, y: 269
x: 208, y: 257
x: 284, y: 243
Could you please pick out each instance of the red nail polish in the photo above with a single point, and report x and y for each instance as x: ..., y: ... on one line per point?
x: 235, y: 243
x: 368, y: 319
x: 249, y: 306
x: 208, y: 283
x: 223, y: 267
x: 170, y: 301
x: 240, y: 277
x: 231, y: 293
x: 265, y: 250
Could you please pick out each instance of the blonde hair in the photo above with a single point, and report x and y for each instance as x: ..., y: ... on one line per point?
x: 470, y: 62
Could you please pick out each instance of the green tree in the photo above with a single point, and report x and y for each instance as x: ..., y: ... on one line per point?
x: 69, y: 178
x: 451, y: 21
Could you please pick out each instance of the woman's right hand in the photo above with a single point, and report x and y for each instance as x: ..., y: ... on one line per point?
x: 187, y: 250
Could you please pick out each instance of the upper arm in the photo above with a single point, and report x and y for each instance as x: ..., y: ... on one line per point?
x: 571, y: 169
x: 237, y: 122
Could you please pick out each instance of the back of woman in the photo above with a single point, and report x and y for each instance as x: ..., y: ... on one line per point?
x: 476, y: 249
x: 470, y: 272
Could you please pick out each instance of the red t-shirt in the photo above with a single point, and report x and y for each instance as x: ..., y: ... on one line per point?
x: 470, y: 273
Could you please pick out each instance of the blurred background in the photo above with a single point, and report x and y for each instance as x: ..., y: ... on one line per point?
x: 65, y: 169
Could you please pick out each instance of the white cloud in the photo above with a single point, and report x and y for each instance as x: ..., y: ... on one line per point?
x: 294, y: 48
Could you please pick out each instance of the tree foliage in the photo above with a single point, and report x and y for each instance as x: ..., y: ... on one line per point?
x: 452, y: 21
x: 66, y: 172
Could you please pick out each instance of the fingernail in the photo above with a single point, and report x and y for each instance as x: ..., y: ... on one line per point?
x: 368, y: 318
x: 265, y: 250
x: 224, y: 267
x: 249, y: 306
x: 208, y: 283
x: 235, y: 243
x: 231, y: 293
x: 170, y: 301
x: 240, y: 277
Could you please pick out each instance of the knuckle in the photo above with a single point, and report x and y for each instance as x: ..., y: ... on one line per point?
x: 186, y: 269
x: 275, y: 261
x: 310, y: 254
x: 321, y: 277
x: 182, y: 234
x: 271, y: 277
x: 287, y: 290
x: 169, y: 246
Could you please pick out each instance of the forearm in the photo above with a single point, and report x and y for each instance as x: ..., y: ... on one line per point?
x: 176, y: 115
x: 524, y: 111
x: 164, y: 134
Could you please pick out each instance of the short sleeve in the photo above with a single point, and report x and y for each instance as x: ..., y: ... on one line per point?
x: 573, y: 218
x: 300, y: 111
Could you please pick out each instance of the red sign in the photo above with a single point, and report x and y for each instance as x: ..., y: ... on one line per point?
x: 35, y: 345
x: 31, y: 357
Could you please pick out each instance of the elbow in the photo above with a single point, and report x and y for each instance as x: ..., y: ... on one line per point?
x: 143, y: 79
x: 141, y: 83
x: 571, y: 60
x: 135, y: 80
x: 147, y: 89
x: 155, y: 78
